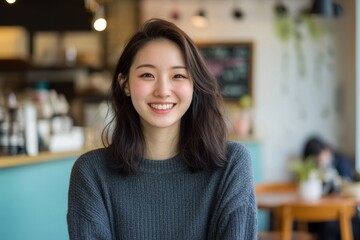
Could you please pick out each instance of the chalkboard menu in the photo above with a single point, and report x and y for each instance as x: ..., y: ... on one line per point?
x: 231, y: 63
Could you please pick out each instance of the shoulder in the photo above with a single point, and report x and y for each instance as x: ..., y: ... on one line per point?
x: 235, y: 147
x: 237, y: 154
x: 94, y: 160
x: 341, y: 158
x: 236, y: 181
x: 344, y: 165
x: 341, y: 161
x: 238, y: 165
x: 238, y: 171
x: 89, y: 171
x: 88, y: 191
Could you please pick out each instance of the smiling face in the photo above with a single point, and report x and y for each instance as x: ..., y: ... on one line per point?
x: 159, y: 85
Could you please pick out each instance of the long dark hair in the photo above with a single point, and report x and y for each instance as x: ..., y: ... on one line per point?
x: 202, y: 129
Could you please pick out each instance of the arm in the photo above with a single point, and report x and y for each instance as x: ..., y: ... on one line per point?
x: 235, y: 215
x: 241, y: 224
x: 87, y: 217
x: 80, y: 227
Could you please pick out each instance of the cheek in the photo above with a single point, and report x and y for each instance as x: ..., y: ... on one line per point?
x: 185, y: 91
x: 138, y: 90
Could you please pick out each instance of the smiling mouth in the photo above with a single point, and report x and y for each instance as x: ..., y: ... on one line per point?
x: 162, y: 106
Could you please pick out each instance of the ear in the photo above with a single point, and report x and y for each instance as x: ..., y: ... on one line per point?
x: 126, y: 89
x: 123, y: 84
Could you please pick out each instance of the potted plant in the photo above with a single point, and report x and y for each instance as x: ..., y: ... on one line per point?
x: 310, y: 186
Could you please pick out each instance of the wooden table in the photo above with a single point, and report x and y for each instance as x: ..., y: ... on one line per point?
x: 288, y: 206
x: 271, y: 201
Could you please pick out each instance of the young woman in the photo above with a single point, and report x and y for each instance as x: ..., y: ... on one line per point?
x: 168, y: 172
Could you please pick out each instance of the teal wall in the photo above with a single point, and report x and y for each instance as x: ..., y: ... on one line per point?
x: 254, y: 148
x: 33, y: 201
x: 255, y: 153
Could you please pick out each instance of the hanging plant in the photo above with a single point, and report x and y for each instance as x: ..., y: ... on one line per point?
x: 316, y: 28
x: 284, y: 28
x: 287, y: 27
x: 283, y: 22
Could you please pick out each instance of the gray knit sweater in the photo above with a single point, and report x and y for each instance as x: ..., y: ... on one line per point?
x: 166, y: 202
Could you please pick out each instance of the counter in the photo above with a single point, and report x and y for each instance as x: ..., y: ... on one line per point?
x: 34, y: 191
x: 18, y: 160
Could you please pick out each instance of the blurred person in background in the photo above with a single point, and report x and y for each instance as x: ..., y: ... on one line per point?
x: 334, y: 168
x: 328, y: 158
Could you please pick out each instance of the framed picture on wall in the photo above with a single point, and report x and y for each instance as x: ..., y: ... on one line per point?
x: 231, y: 63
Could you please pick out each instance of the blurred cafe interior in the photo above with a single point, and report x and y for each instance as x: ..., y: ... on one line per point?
x: 287, y: 71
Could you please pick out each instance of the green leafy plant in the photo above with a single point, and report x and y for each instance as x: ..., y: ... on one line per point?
x: 245, y: 101
x: 305, y: 169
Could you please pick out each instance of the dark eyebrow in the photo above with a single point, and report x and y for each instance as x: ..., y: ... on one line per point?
x: 177, y: 67
x: 145, y: 65
x: 152, y: 66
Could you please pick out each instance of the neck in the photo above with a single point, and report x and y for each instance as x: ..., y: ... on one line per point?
x: 161, y: 143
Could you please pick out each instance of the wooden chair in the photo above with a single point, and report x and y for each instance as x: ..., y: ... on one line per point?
x: 341, y: 211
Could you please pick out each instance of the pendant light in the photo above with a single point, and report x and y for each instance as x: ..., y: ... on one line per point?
x: 326, y: 8
x: 200, y: 19
x: 322, y: 8
x: 280, y: 9
x: 100, y: 22
x: 237, y: 12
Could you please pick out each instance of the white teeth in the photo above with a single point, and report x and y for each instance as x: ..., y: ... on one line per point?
x: 162, y: 106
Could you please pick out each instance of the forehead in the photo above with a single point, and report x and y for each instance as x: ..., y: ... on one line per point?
x: 159, y: 50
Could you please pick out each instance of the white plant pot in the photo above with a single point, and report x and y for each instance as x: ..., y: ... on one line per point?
x: 310, y: 189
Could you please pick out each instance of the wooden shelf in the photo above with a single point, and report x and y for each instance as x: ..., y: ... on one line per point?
x: 15, y: 64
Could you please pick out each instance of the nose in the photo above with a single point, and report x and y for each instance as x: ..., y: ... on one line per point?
x: 163, y: 87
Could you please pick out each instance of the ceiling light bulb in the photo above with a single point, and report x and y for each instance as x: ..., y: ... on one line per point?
x: 100, y: 24
x: 99, y: 19
x: 10, y: 1
x: 200, y: 20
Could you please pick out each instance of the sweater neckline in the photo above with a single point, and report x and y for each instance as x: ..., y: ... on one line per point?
x: 171, y: 165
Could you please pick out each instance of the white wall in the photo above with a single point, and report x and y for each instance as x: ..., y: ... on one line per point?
x: 289, y: 105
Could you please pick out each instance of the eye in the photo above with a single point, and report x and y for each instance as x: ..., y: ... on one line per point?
x: 147, y: 75
x: 177, y: 76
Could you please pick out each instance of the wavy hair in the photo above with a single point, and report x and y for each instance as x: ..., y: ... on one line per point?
x: 202, y: 129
